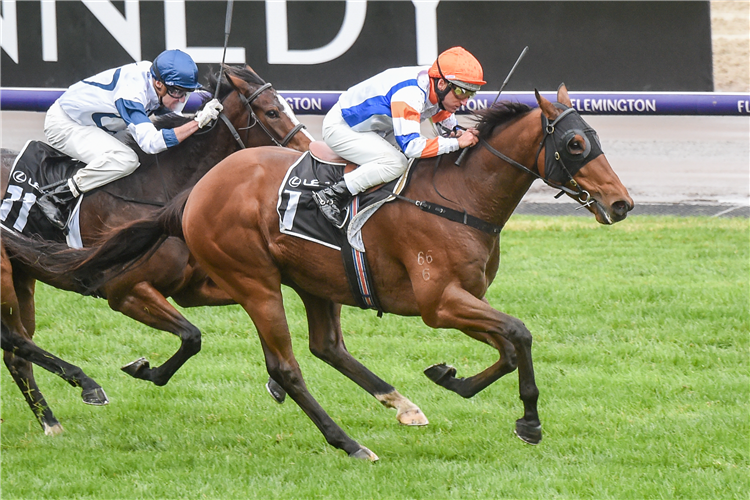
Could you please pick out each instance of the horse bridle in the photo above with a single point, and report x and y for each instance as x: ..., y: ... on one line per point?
x: 553, y: 141
x: 252, y: 119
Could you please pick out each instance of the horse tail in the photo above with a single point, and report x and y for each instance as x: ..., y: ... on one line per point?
x: 43, y: 260
x: 115, y: 252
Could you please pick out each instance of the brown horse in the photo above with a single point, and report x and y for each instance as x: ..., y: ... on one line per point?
x: 254, y: 115
x: 15, y: 340
x: 230, y: 223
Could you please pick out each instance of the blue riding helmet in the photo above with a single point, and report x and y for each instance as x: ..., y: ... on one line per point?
x: 175, y: 68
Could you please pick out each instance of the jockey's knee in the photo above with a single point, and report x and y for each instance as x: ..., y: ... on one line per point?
x: 127, y: 159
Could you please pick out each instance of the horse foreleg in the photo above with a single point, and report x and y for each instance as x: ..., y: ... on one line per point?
x: 327, y: 343
x: 144, y: 303
x: 445, y: 375
x: 459, y: 309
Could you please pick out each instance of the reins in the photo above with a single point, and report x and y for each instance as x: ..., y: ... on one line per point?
x: 448, y: 213
x: 247, y: 102
x: 580, y: 194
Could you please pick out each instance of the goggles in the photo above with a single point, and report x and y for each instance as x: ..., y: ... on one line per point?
x: 461, y: 92
x: 177, y: 92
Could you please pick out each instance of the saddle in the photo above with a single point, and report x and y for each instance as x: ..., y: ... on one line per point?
x: 38, y: 168
x: 323, y: 152
x: 299, y: 215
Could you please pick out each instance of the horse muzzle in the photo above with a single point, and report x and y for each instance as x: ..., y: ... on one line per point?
x: 610, y: 213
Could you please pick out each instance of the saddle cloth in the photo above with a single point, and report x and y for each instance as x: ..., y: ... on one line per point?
x: 299, y: 216
x: 36, y: 166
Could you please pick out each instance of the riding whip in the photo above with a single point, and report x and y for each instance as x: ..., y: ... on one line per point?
x: 227, y: 28
x: 523, y: 53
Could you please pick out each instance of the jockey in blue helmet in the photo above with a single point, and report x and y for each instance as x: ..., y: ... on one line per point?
x: 82, y: 123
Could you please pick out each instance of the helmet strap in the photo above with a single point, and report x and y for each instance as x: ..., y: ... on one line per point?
x: 441, y: 93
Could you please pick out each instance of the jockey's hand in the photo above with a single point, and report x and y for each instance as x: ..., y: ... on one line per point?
x: 467, y: 138
x: 209, y: 113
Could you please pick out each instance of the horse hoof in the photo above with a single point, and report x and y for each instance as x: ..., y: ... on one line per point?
x: 528, y: 433
x: 52, y: 430
x: 136, y: 368
x: 275, y: 390
x: 413, y: 417
x: 439, y: 372
x: 364, y: 454
x: 95, y: 397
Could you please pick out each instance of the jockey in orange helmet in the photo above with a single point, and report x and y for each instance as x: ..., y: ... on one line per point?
x: 376, y: 124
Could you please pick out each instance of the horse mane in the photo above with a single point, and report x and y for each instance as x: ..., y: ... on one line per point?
x: 498, y: 114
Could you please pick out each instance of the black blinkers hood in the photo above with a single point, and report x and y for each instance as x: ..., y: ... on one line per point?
x: 560, y: 163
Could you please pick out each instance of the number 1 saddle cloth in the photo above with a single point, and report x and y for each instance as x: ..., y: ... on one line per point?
x: 299, y: 216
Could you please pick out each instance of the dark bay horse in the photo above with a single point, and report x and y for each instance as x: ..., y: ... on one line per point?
x: 15, y: 340
x: 231, y: 226
x: 254, y: 115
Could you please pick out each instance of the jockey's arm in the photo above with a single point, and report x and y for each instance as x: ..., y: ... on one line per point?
x: 150, y: 139
x: 406, y: 107
x: 184, y: 131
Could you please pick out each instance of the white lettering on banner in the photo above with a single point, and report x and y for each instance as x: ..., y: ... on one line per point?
x: 125, y: 29
x: 426, y: 18
x: 175, y: 33
x: 616, y: 105
x: 475, y: 105
x: 277, y: 35
x: 49, y: 31
x: 743, y: 106
x: 8, y: 33
x: 305, y: 103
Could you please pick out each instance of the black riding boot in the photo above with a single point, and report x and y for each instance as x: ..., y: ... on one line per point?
x: 332, y: 202
x: 55, y: 205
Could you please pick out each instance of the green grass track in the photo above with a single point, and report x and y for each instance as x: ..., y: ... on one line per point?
x: 641, y: 356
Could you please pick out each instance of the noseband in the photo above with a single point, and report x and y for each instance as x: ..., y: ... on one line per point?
x: 252, y: 119
x: 556, y: 142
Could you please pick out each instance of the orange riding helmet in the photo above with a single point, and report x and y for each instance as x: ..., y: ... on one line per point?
x: 459, y: 67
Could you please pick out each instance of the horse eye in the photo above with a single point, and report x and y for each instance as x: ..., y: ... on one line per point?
x: 575, y: 147
x: 272, y: 114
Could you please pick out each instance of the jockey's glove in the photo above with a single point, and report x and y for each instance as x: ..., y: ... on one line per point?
x: 209, y: 113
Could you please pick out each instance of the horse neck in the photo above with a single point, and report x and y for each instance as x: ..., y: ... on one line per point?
x: 494, y: 188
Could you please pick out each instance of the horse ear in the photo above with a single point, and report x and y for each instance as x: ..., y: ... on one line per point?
x: 562, y: 95
x: 238, y: 82
x: 549, y: 109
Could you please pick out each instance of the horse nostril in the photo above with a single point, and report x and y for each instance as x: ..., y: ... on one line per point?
x: 621, y: 208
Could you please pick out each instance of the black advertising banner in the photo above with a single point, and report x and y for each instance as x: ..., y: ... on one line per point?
x: 308, y: 45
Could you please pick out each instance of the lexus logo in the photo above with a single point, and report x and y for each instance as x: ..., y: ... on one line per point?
x: 19, y: 177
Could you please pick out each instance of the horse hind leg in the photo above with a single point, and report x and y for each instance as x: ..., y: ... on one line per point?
x: 327, y: 343
x: 22, y: 372
x: 91, y: 392
x: 18, y: 289
x: 259, y: 293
